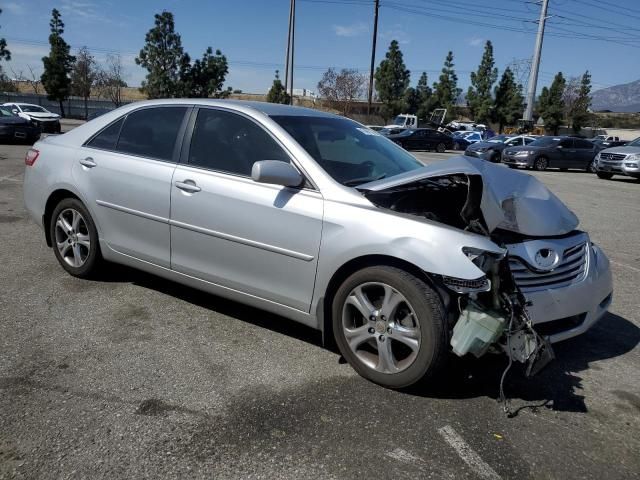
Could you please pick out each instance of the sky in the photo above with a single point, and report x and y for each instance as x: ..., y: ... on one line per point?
x: 596, y: 35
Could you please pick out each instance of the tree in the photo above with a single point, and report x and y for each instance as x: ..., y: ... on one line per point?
x: 509, y: 102
x: 551, y: 104
x: 341, y: 89
x: 411, y: 100
x: 163, y: 56
x: 59, y: 63
x: 205, y: 78
x: 83, y: 76
x: 446, y: 91
x: 425, y: 96
x: 5, y: 54
x: 171, y: 73
x: 110, y: 80
x: 277, y: 93
x: 392, y: 80
x: 579, y: 113
x: 479, y: 97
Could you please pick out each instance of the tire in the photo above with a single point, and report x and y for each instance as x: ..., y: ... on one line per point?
x: 440, y: 148
x: 418, y: 349
x: 496, y: 157
x: 77, y: 252
x: 591, y: 168
x: 540, y: 164
x: 605, y: 175
x: 456, y: 146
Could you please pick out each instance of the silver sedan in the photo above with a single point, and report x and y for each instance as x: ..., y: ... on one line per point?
x: 323, y: 221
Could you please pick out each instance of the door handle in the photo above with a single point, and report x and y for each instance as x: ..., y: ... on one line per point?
x: 88, y: 162
x: 188, y: 186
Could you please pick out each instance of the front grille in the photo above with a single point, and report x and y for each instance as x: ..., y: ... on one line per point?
x: 49, y: 127
x: 617, y: 157
x: 571, y: 269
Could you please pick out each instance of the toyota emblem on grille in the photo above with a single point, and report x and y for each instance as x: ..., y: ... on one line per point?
x: 547, y: 259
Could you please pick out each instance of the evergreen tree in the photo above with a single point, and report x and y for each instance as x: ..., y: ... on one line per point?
x: 5, y: 54
x: 551, y: 104
x: 83, y: 76
x: 164, y: 58
x: 411, y: 100
x: 446, y: 91
x: 425, y: 95
x: 59, y: 63
x: 509, y: 102
x: 204, y: 78
x: 277, y: 93
x: 392, y: 80
x: 580, y: 112
x: 479, y: 97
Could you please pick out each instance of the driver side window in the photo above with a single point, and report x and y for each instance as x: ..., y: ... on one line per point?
x: 230, y: 143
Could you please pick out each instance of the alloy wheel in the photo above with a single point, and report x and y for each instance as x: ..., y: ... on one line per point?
x: 541, y: 163
x: 72, y: 237
x: 381, y: 327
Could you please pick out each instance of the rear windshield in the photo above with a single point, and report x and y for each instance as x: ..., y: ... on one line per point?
x: 350, y: 153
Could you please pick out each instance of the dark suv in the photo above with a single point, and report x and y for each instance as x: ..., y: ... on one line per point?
x: 552, y: 152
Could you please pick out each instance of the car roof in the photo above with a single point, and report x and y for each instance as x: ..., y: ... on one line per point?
x: 27, y: 104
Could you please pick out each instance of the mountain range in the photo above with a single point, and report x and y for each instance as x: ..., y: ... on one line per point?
x: 619, y: 98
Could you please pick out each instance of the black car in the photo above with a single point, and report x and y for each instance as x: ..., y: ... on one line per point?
x: 492, y: 149
x: 552, y: 152
x: 16, y: 129
x: 422, y: 139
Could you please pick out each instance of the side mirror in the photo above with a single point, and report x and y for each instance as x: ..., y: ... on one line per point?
x: 559, y: 147
x: 276, y: 172
x: 15, y: 111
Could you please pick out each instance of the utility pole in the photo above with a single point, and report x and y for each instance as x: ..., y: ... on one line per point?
x: 293, y: 43
x: 286, y: 61
x: 535, y: 65
x: 373, y: 54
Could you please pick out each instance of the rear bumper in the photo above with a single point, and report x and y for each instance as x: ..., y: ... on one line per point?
x: 562, y: 313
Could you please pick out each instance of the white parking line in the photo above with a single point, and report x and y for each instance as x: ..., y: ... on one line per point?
x: 11, y: 179
x: 470, y: 457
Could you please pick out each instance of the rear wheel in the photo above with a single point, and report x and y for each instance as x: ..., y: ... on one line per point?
x: 495, y: 158
x: 75, y: 238
x: 457, y: 146
x: 440, y: 148
x: 389, y: 325
x: 591, y: 168
x: 541, y: 163
x: 605, y: 175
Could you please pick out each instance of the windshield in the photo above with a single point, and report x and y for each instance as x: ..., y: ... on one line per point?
x: 545, y: 142
x: 399, y: 120
x: 32, y: 108
x: 5, y: 112
x: 499, y: 139
x: 349, y: 152
x: 635, y: 143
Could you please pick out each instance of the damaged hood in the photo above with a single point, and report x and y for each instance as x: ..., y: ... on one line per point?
x: 511, y: 200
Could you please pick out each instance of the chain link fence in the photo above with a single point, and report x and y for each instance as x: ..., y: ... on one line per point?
x: 73, y: 106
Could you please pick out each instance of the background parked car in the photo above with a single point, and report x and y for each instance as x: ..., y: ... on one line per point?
x: 491, y: 149
x: 623, y: 160
x: 602, y: 144
x: 422, y: 139
x: 552, y: 152
x: 48, y: 122
x: 463, y: 141
x: 16, y: 129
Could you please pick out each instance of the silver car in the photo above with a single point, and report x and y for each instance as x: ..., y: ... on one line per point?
x: 623, y: 160
x: 326, y: 222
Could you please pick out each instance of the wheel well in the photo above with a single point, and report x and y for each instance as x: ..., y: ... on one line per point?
x: 353, y: 266
x: 53, y: 200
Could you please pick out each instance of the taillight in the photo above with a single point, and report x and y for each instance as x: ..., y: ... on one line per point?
x: 31, y: 157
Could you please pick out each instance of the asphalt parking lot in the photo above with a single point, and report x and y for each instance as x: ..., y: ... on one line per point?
x: 132, y: 376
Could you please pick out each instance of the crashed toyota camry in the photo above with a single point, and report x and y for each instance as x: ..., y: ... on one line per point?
x: 323, y: 221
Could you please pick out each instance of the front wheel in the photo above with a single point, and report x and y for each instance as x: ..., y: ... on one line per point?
x: 75, y: 238
x: 541, y: 164
x: 440, y: 148
x: 605, y: 175
x: 390, y: 326
x: 591, y: 168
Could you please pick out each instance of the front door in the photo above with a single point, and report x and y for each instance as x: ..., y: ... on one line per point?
x: 124, y: 173
x: 259, y: 239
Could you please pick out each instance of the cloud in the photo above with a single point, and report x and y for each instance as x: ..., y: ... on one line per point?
x: 396, y: 32
x: 350, y: 30
x: 476, y: 42
x: 14, y: 8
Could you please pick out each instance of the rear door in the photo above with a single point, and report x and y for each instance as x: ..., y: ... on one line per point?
x: 564, y: 153
x: 124, y: 173
x: 585, y: 153
x: 259, y: 239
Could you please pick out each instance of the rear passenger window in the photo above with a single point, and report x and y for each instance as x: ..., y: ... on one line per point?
x: 108, y: 137
x: 566, y: 143
x: 230, y: 143
x: 151, y: 132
